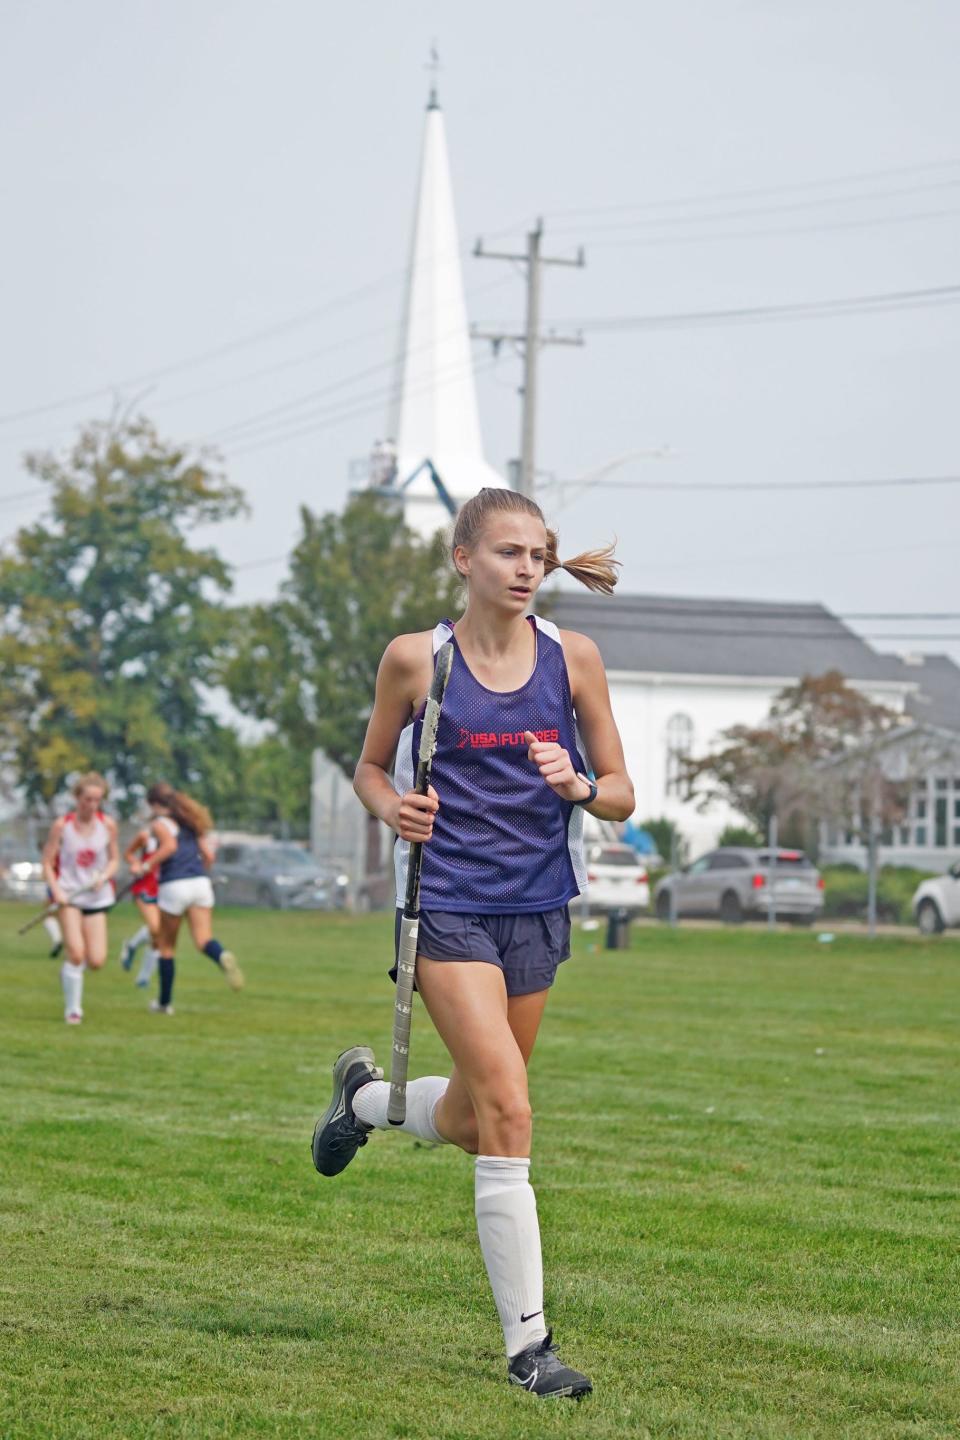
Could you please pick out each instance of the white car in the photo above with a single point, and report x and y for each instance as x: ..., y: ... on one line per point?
x: 936, y: 902
x: 616, y: 877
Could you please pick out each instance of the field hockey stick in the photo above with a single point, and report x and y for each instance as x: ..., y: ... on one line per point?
x: 53, y: 907
x: 410, y: 924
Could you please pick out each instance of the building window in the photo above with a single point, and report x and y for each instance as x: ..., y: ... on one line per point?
x: 920, y: 809
x: 942, y: 784
x: 940, y: 822
x: 904, y: 834
x: 679, y: 747
x: 921, y: 835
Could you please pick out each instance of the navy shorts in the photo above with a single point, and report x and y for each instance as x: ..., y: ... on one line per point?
x: 527, y: 948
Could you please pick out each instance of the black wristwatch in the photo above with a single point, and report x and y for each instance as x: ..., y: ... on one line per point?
x: 587, y: 799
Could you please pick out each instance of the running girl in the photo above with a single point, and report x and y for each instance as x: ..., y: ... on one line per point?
x: 80, y: 859
x: 183, y: 855
x: 144, y: 894
x: 503, y: 860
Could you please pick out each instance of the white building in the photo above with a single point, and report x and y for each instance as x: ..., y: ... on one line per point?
x: 683, y: 670
x: 433, y: 459
x: 927, y: 754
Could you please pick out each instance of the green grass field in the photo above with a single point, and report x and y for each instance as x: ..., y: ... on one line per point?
x: 746, y: 1160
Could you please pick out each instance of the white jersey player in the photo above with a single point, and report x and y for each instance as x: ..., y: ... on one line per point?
x: 80, y: 859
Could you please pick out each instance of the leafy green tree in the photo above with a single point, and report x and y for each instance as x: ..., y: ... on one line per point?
x: 112, y: 623
x: 740, y: 835
x: 270, y: 791
x: 667, y: 837
x: 307, y: 662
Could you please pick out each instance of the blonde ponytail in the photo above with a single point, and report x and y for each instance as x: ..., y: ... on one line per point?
x: 597, y: 569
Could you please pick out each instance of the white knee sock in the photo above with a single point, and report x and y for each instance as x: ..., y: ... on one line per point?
x: 71, y: 978
x: 423, y: 1097
x: 142, y: 935
x: 147, y: 966
x: 52, y: 927
x: 509, y: 1233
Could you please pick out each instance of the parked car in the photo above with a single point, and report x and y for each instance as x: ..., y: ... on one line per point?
x: 936, y: 902
x: 733, y: 883
x: 616, y: 877
x: 278, y: 876
x: 21, y: 878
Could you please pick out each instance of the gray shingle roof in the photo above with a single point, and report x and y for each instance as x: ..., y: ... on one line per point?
x: 703, y: 636
x: 938, y: 700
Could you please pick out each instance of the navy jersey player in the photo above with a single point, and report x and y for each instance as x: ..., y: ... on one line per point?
x: 502, y: 829
x: 181, y: 859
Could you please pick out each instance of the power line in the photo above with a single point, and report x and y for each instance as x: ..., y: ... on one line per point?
x: 259, y: 564
x: 846, y: 305
x: 336, y: 346
x: 723, y: 486
x: 786, y: 207
x: 335, y: 417
x: 350, y: 409
x: 862, y: 224
x: 746, y: 194
x: 22, y: 495
x: 366, y: 401
x: 201, y: 358
x: 768, y: 556
x: 308, y: 397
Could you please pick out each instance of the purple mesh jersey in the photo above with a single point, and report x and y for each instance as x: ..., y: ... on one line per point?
x: 503, y: 841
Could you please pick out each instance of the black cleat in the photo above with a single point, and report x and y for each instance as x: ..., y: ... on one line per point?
x: 540, y: 1370
x: 338, y: 1134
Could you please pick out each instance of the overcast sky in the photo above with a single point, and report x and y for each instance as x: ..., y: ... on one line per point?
x: 195, y: 193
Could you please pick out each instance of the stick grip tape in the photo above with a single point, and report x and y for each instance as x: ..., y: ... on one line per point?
x: 402, y: 1014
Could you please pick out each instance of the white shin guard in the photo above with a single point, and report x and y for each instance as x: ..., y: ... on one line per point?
x: 148, y: 965
x: 509, y: 1231
x: 71, y: 978
x: 423, y: 1097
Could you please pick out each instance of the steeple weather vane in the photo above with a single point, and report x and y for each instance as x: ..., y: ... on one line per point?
x: 433, y: 65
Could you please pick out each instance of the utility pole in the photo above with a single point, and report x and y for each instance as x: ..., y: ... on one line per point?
x: 531, y: 340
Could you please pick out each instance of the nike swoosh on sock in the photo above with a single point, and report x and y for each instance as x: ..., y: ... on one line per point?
x: 525, y: 1318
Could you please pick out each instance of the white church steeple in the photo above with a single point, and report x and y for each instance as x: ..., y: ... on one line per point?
x: 434, y: 423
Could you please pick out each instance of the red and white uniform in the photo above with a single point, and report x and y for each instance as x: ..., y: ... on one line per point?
x: 147, y: 886
x: 81, y: 859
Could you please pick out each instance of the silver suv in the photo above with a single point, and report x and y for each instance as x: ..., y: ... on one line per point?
x: 277, y: 876
x: 733, y: 883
